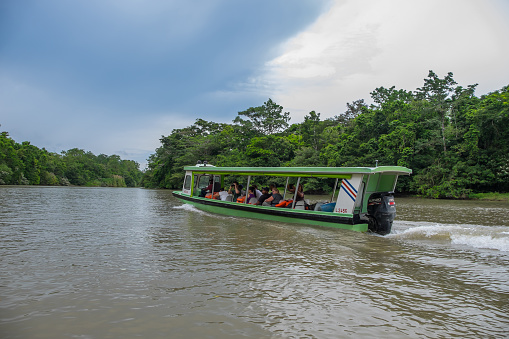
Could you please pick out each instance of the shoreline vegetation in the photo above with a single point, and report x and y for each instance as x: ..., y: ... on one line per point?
x: 489, y: 196
x: 26, y: 164
x: 456, y: 143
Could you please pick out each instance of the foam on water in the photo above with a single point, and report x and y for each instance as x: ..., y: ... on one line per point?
x: 194, y: 209
x: 191, y: 208
x: 486, y: 241
x: 475, y: 236
x: 187, y: 207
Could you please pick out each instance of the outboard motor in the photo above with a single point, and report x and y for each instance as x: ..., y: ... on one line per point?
x: 381, y: 212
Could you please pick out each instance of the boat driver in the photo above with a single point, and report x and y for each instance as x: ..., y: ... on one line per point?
x: 208, y: 188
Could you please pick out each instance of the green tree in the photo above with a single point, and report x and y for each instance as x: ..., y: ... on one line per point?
x: 438, y: 93
x: 266, y: 119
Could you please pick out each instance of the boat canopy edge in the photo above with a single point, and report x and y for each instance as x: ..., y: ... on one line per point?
x: 329, y: 172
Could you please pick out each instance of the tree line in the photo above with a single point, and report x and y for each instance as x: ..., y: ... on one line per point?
x: 455, y: 142
x: 26, y: 164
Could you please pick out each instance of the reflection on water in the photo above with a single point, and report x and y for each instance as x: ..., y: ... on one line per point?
x: 109, y: 263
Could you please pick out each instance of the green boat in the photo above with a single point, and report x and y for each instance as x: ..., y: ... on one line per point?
x: 364, y: 200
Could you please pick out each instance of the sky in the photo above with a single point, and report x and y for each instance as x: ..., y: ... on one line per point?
x: 113, y: 76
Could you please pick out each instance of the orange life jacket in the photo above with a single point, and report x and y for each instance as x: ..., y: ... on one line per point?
x: 284, y: 203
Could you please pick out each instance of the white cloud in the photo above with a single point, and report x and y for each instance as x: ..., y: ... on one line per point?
x: 358, y: 46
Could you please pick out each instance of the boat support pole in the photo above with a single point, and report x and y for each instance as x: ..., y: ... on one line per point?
x: 296, y: 191
x: 334, y: 192
x: 286, y: 186
x: 247, y: 189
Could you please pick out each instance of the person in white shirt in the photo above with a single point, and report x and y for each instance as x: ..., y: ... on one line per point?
x: 258, y: 193
x: 223, y: 194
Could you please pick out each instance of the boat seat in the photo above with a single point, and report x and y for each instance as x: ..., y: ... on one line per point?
x: 300, y: 205
x: 229, y: 198
x: 253, y: 200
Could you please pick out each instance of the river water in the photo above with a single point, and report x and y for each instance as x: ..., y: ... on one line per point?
x: 128, y: 263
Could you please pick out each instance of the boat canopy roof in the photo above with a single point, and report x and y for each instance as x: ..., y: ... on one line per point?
x: 325, y: 172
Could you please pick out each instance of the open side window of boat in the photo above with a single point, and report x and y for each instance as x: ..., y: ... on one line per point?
x: 188, y: 183
x: 217, y: 183
x: 360, y: 199
x: 195, y: 190
x: 201, y: 181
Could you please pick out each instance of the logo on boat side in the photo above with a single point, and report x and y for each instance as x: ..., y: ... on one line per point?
x: 349, y: 189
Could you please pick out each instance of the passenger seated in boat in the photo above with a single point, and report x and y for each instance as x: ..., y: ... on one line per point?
x: 300, y: 192
x: 235, y: 190
x: 221, y: 195
x: 204, y: 190
x: 257, y: 192
x: 265, y: 195
x: 215, y: 185
x: 251, y: 193
x: 274, y: 199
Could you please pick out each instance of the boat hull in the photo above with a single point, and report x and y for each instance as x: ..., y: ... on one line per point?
x: 336, y: 220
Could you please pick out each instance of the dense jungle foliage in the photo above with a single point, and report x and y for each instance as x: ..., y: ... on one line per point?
x: 26, y: 164
x: 455, y: 143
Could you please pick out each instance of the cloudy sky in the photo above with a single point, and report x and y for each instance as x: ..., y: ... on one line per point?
x: 112, y: 76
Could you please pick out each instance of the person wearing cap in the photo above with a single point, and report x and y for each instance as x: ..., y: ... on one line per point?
x: 265, y: 195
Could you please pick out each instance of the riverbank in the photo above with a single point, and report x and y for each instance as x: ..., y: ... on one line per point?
x: 495, y: 196
x: 492, y: 196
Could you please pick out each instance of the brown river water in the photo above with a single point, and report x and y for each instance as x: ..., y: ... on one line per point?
x: 137, y: 263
